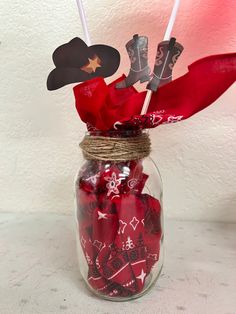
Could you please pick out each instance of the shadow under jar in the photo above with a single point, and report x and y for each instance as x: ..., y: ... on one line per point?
x: 119, y: 215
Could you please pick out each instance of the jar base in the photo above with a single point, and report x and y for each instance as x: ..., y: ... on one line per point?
x: 150, y: 283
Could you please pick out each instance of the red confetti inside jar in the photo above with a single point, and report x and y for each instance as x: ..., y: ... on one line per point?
x: 119, y: 215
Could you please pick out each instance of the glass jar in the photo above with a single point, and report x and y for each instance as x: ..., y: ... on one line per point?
x: 120, y: 225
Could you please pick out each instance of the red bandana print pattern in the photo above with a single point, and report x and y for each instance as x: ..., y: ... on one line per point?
x: 119, y: 226
x: 104, y: 107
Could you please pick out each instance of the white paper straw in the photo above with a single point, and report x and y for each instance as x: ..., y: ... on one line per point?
x: 84, y: 22
x: 166, y: 37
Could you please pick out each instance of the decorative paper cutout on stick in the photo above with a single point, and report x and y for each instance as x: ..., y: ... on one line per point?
x: 76, y: 62
x: 137, y: 49
x: 168, y: 52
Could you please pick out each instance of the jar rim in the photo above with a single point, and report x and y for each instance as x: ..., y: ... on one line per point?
x: 116, y: 133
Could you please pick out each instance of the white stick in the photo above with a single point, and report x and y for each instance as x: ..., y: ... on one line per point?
x: 84, y: 22
x: 166, y: 37
x: 172, y: 20
x: 146, y: 102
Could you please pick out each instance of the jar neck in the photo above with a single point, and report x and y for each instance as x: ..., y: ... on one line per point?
x: 116, y: 145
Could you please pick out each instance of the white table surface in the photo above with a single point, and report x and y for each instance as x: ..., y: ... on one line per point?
x: 39, y: 273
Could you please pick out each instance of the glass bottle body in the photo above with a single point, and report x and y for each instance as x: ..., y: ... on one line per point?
x: 119, y: 226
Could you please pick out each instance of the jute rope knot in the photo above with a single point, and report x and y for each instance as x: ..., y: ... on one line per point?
x: 116, y: 148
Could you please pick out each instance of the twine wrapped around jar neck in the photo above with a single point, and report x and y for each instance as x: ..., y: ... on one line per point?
x: 116, y: 148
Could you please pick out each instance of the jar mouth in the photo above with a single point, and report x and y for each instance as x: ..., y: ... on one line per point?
x: 116, y: 133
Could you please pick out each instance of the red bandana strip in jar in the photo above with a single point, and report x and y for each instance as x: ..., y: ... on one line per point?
x: 120, y: 227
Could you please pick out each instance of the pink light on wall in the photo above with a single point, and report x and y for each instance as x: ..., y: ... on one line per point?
x: 205, y: 27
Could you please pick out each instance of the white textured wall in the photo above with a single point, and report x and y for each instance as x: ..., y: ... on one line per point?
x: 40, y: 130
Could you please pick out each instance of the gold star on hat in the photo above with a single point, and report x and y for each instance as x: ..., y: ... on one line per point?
x: 92, y: 65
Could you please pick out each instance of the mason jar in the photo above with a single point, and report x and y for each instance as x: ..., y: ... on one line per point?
x: 119, y: 215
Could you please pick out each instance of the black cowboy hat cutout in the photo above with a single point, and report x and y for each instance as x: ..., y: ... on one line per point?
x: 76, y: 62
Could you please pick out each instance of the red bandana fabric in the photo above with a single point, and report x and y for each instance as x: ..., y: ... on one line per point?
x: 101, y: 106
x: 119, y: 226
